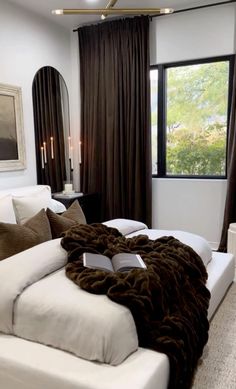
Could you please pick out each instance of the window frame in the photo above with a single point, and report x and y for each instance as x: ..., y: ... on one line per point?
x: 162, y: 112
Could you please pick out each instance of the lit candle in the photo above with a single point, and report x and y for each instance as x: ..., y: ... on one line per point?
x: 52, y: 151
x: 80, y: 157
x: 69, y: 146
x: 42, y: 157
x: 45, y: 152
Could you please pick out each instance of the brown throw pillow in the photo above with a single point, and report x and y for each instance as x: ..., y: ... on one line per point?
x: 60, y: 223
x: 15, y: 238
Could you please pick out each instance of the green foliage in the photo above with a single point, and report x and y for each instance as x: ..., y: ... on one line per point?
x: 199, y: 153
x: 196, y: 119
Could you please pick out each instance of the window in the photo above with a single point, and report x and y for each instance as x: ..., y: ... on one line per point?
x: 189, y: 117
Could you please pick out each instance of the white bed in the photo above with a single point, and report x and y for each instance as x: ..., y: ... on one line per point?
x: 25, y: 364
x: 29, y: 365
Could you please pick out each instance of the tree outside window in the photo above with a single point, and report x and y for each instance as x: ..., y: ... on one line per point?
x: 196, y: 118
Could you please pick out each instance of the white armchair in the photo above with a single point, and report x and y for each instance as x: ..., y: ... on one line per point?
x: 20, y: 204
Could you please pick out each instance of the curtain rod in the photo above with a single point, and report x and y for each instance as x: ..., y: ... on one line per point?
x: 175, y: 12
x: 98, y: 22
x: 199, y: 7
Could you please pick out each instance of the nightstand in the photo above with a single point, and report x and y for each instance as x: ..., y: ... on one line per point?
x: 89, y: 202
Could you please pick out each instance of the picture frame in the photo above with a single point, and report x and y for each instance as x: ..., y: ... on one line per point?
x: 12, y: 143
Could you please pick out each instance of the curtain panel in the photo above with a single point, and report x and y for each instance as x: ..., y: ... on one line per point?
x: 115, y: 116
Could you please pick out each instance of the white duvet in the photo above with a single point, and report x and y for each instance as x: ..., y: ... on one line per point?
x: 39, y: 303
x: 131, y: 228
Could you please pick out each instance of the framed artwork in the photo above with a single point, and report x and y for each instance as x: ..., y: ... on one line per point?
x: 12, y: 145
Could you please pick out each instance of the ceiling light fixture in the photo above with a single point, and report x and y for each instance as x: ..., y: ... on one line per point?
x: 113, y: 11
x: 110, y: 4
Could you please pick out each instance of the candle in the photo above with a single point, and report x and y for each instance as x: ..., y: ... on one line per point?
x: 45, y: 152
x: 80, y: 157
x: 69, y: 146
x: 68, y: 188
x: 42, y: 157
x: 71, y: 159
x: 52, y: 150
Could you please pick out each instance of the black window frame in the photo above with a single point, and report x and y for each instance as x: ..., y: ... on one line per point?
x: 162, y: 113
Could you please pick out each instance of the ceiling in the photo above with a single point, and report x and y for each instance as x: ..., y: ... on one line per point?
x: 44, y: 7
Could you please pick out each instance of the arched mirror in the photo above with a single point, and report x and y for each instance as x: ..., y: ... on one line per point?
x: 52, y: 130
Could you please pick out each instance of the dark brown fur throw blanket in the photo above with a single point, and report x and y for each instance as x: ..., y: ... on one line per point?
x: 168, y: 301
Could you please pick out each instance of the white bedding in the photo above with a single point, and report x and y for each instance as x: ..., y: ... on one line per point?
x: 131, y: 228
x: 199, y: 244
x: 39, y: 303
x: 30, y: 365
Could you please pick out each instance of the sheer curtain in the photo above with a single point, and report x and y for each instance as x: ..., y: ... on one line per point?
x: 230, y: 204
x: 115, y: 116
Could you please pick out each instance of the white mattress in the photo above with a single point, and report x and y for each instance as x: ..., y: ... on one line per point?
x: 28, y: 365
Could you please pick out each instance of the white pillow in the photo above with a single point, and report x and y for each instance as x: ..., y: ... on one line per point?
x: 7, y: 214
x: 125, y: 226
x: 27, y: 206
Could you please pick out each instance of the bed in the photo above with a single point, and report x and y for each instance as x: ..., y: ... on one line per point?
x: 27, y: 364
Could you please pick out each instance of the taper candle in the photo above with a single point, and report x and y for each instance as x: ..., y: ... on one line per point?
x: 52, y: 149
x: 80, y: 157
x: 69, y: 146
x: 45, y: 152
x: 42, y: 157
x: 71, y: 158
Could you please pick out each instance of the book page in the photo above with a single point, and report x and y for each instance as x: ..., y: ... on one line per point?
x: 97, y: 261
x: 127, y: 261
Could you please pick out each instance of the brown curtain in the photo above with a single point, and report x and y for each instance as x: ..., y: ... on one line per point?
x: 115, y: 116
x: 48, y: 122
x: 230, y: 204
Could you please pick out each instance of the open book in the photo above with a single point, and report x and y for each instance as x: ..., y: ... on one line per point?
x: 121, y: 262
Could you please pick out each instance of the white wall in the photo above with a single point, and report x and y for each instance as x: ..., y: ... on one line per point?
x: 195, y: 34
x: 28, y: 42
x: 193, y: 205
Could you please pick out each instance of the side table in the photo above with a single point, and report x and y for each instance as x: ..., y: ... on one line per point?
x: 89, y: 202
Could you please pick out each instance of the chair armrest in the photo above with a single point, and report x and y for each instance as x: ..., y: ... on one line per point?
x: 56, y: 206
